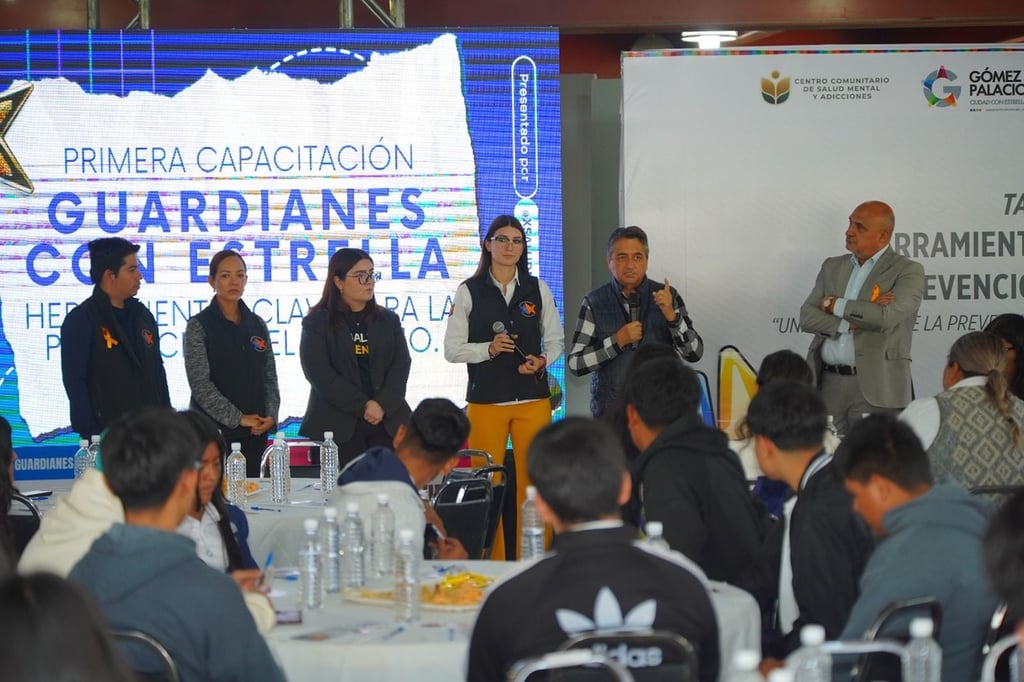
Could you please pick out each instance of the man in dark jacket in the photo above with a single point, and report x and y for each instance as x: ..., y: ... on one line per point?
x: 109, y: 344
x: 815, y: 556
x: 597, y: 576
x: 686, y: 476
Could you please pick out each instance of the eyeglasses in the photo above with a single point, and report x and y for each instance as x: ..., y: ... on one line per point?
x: 505, y: 241
x: 363, y: 277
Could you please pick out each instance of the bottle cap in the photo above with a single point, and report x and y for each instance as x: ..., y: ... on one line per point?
x: 812, y: 635
x: 405, y: 535
x: 531, y: 492
x: 330, y: 512
x: 328, y: 435
x: 382, y: 498
x: 654, y: 528
x: 746, y: 660
x: 310, y: 525
x: 780, y: 675
x: 279, y: 436
x: 236, y: 446
x: 352, y: 507
x: 94, y: 439
x: 921, y: 627
x: 83, y: 443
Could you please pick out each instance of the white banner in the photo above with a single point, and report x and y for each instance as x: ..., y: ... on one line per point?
x: 744, y: 165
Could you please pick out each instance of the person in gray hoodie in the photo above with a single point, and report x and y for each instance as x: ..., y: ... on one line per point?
x: 147, y: 577
x: 931, y: 540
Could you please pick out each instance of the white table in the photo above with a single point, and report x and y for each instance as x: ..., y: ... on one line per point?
x: 277, y: 528
x: 363, y: 644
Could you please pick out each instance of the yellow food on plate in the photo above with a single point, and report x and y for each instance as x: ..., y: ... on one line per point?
x: 250, y: 487
x: 457, y: 589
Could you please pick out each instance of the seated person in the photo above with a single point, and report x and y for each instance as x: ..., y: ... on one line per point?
x: 424, y: 448
x: 220, y: 530
x: 972, y: 430
x: 597, y: 572
x: 814, y: 557
x: 687, y: 477
x: 146, y: 576
x: 930, y: 540
x: 55, y: 632
x: 1010, y: 328
x: 1003, y: 554
x: 90, y: 508
x: 8, y: 531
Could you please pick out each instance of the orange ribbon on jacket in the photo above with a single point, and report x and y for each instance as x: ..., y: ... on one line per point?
x: 875, y: 291
x: 111, y: 341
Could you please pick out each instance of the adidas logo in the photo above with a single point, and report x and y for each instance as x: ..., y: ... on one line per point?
x: 608, y: 617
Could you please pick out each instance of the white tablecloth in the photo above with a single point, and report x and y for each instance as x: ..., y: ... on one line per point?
x: 278, y: 527
x: 362, y: 644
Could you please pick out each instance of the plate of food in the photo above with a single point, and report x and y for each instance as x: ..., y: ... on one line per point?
x: 455, y: 592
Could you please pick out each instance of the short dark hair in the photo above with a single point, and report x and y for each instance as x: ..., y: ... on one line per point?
x: 436, y: 430
x: 784, y: 365
x: 882, y: 445
x: 661, y: 391
x: 790, y: 415
x: 576, y: 464
x: 145, y: 453
x: 630, y: 232
x: 1003, y: 552
x: 47, y: 612
x: 108, y: 253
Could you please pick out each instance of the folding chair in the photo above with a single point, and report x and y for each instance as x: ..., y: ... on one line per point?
x: 893, y: 623
x: 24, y: 517
x: 1000, y: 654
x: 497, y: 475
x: 148, y: 657
x: 676, y: 658
x: 1002, y: 626
x: 585, y: 664
x: 464, y: 506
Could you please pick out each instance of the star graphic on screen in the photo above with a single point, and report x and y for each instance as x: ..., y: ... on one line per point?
x: 11, y: 171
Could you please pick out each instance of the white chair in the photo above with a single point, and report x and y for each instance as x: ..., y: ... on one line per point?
x: 996, y: 652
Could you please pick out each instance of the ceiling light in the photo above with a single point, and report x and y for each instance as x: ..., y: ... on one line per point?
x: 709, y: 40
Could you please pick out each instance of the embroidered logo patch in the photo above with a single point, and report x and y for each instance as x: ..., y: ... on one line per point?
x: 258, y: 344
x: 527, y: 309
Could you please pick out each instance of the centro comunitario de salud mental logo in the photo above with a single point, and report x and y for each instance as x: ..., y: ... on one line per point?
x: 943, y: 78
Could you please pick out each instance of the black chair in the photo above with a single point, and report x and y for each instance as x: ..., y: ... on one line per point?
x: 148, y: 657
x: 893, y: 623
x: 676, y: 658
x: 25, y: 519
x: 559, y: 665
x: 464, y: 506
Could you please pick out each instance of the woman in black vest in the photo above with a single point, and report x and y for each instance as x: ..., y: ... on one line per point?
x: 356, y: 359
x: 229, y: 361
x: 505, y: 326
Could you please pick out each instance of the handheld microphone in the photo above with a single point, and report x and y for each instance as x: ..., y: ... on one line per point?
x: 634, y: 312
x: 499, y: 328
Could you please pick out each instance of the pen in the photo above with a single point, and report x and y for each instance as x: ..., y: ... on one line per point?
x: 266, y: 567
x: 397, y: 631
x: 254, y: 508
x: 440, y: 535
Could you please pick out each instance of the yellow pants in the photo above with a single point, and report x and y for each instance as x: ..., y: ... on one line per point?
x: 490, y: 427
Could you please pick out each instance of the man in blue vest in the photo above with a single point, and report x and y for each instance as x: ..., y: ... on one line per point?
x: 624, y: 314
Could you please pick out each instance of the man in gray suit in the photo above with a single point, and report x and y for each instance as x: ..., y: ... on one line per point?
x: 862, y: 312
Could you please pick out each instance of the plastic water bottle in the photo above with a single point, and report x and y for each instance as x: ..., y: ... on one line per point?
x: 830, y: 426
x: 744, y: 666
x: 922, y: 657
x: 382, y: 538
x: 94, y: 450
x: 331, y: 535
x: 328, y: 464
x: 311, y: 591
x: 809, y: 663
x: 532, y: 542
x: 407, y: 578
x: 279, y: 466
x: 656, y: 537
x: 81, y: 458
x: 781, y: 675
x: 235, y: 471
x: 353, y: 548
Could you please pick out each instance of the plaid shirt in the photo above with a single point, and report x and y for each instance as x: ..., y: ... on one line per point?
x: 588, y: 354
